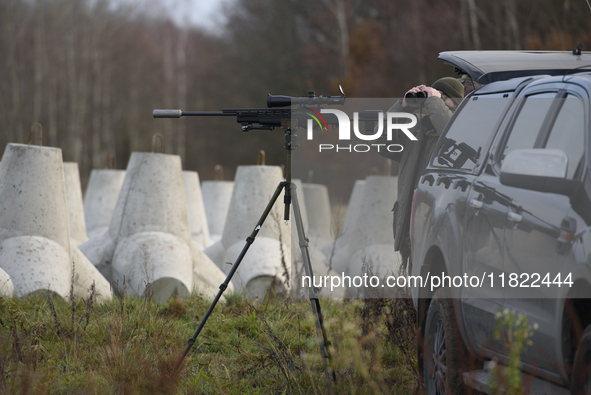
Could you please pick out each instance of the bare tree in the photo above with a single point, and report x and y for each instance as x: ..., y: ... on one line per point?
x: 473, y: 17
x: 512, y: 25
x: 337, y: 8
x: 181, y: 79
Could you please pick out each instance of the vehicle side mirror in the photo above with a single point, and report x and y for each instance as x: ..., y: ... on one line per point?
x: 542, y: 170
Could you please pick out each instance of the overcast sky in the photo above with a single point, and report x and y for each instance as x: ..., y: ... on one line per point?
x: 205, y: 13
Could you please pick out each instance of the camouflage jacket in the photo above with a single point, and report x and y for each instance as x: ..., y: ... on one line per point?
x: 414, y: 158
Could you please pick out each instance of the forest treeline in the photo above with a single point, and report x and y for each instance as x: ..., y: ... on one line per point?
x: 91, y: 72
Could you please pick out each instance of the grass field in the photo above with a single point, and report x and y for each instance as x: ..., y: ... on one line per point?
x: 130, y: 345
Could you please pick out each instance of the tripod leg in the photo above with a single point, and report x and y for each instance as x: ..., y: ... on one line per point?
x: 312, y: 292
x: 224, y: 285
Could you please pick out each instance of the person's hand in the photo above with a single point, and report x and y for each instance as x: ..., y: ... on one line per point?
x: 416, y: 89
x: 431, y: 91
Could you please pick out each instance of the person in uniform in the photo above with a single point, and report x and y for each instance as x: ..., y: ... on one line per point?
x: 443, y: 96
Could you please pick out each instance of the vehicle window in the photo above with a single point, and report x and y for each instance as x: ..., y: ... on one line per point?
x: 528, y: 122
x: 568, y: 133
x: 461, y: 146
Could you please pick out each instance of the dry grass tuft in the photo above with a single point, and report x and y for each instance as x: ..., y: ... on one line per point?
x: 131, y: 346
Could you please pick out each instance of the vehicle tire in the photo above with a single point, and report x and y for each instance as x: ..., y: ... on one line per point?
x: 444, y: 353
x: 580, y: 382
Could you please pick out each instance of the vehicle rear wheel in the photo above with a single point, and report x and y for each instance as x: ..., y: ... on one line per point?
x: 444, y: 352
x: 580, y: 382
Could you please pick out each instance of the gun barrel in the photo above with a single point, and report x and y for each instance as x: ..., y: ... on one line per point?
x: 181, y: 113
x: 207, y: 114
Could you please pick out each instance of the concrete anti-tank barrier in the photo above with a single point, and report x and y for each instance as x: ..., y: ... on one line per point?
x: 370, y: 239
x: 216, y: 252
x: 148, y: 244
x: 6, y: 286
x: 76, y: 218
x: 319, y: 215
x: 266, y: 264
x: 253, y: 188
x: 317, y: 258
x: 216, y: 199
x: 196, y: 210
x: 32, y: 194
x: 35, y: 247
x: 36, y: 264
x: 353, y: 207
x: 156, y: 263
x: 100, y: 199
x: 265, y: 261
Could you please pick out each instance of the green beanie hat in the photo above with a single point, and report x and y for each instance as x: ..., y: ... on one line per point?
x: 451, y: 87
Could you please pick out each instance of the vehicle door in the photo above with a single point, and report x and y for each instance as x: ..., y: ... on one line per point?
x: 534, y: 247
x: 460, y: 155
x: 489, y: 205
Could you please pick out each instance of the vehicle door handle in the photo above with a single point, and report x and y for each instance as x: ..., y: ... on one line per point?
x: 476, y: 203
x: 428, y: 178
x: 446, y: 181
x: 514, y: 217
x: 461, y: 183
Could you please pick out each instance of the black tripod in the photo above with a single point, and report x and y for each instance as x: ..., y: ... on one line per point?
x: 289, y: 199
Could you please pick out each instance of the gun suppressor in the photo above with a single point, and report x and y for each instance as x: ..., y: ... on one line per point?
x: 167, y: 113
